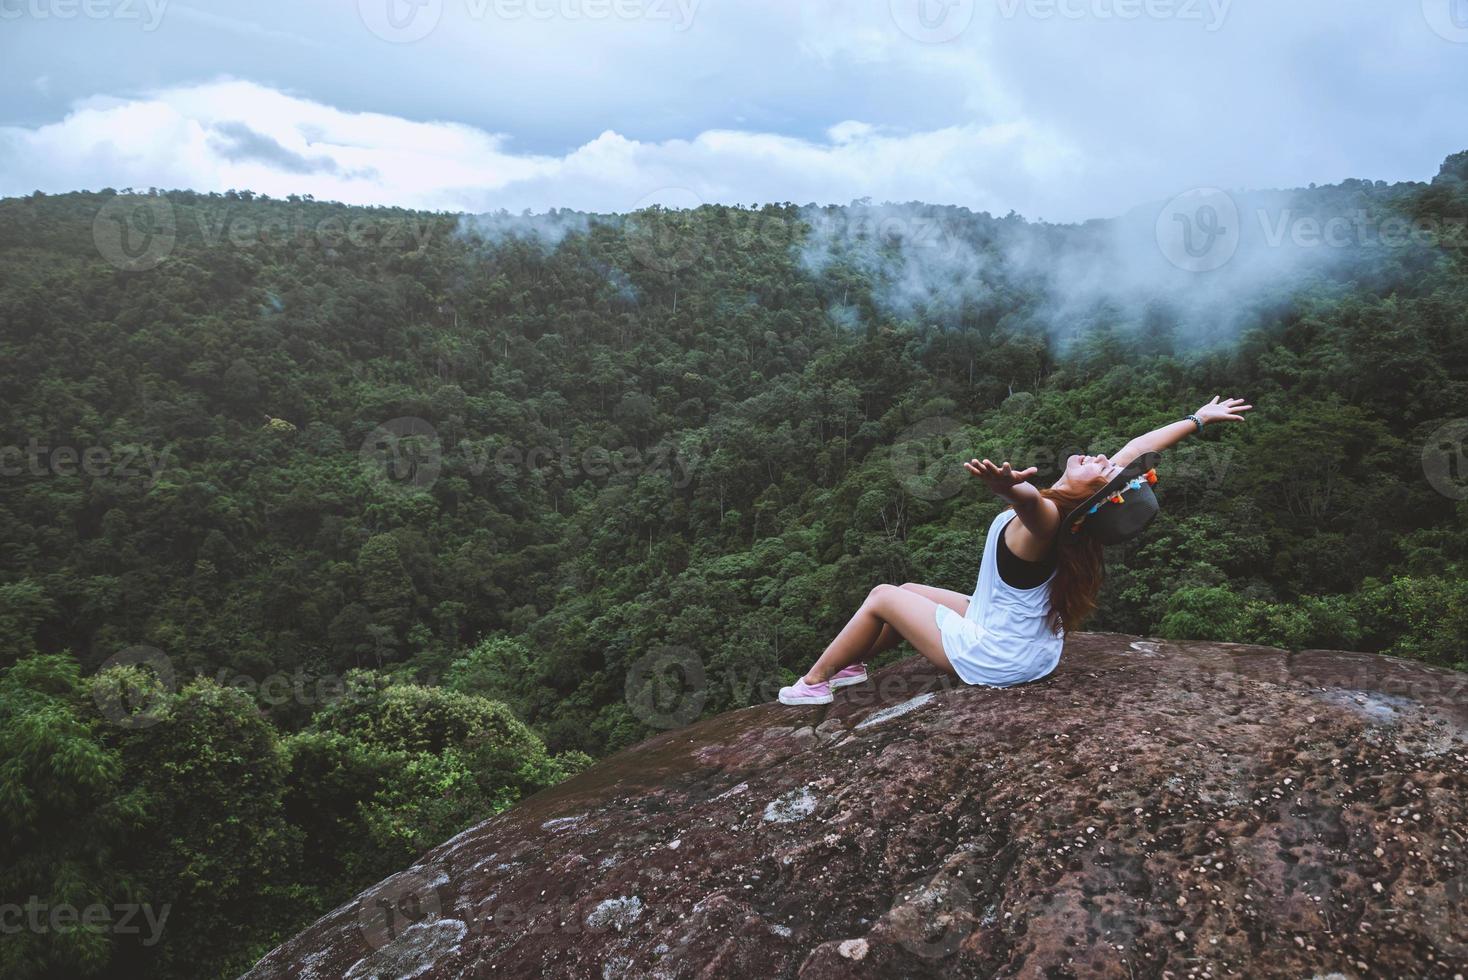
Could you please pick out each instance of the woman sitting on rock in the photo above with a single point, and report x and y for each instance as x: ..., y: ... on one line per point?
x: 1039, y: 576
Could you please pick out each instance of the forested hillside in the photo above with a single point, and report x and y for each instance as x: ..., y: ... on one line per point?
x: 504, y: 478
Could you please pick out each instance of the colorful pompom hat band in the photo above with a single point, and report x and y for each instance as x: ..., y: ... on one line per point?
x: 1121, y: 509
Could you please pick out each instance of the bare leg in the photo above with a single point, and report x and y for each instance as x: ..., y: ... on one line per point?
x: 909, y: 614
x: 956, y: 601
x: 889, y: 637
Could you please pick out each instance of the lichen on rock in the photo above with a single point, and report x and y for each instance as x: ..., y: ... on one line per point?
x: 794, y: 805
x: 1151, y: 809
x: 615, y: 913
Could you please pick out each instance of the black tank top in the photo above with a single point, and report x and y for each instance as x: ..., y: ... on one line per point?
x: 1018, y: 573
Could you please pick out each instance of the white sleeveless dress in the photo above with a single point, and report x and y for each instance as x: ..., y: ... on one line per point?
x: 1005, y: 637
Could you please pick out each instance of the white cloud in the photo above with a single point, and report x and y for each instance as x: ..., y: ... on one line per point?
x: 241, y: 135
x: 1062, y: 111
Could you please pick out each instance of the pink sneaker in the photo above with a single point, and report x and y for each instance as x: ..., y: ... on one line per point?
x: 855, y: 674
x: 802, y: 693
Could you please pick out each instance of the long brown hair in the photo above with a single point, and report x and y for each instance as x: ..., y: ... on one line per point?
x: 1078, y: 564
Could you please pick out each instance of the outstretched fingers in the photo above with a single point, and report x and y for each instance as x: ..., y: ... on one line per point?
x: 991, y: 472
x: 1236, y: 409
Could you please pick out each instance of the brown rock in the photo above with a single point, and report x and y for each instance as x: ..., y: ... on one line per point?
x: 1152, y: 809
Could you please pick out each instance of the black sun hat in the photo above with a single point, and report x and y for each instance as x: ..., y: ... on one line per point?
x: 1121, y: 509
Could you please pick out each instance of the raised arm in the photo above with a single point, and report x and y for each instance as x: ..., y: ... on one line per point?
x: 1039, y: 515
x: 1225, y: 410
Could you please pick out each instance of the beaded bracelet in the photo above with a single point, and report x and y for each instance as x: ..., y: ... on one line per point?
x: 1196, y: 421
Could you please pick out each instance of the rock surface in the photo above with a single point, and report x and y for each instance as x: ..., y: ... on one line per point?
x: 1151, y: 809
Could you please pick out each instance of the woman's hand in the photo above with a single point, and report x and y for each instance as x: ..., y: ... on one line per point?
x: 1001, y: 479
x: 1038, y: 517
x: 1227, y: 410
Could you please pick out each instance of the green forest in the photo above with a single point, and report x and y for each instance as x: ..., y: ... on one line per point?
x: 331, y: 531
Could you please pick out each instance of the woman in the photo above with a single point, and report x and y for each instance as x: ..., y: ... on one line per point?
x: 1039, y: 575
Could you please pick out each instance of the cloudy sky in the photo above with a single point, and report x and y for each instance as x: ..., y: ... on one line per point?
x: 1058, y: 109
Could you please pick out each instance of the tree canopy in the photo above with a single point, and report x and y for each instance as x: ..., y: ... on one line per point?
x: 422, y: 511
